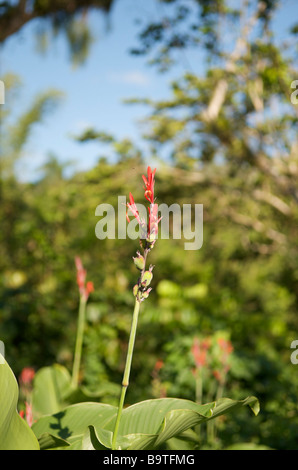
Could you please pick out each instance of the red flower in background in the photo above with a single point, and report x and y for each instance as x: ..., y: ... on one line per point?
x: 199, y: 352
x: 27, y: 375
x: 226, y: 349
x: 85, y: 290
x: 158, y: 365
x: 218, y: 375
x: 81, y: 274
x: 29, y: 414
x: 89, y: 287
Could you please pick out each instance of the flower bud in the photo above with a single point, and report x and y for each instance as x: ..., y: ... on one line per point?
x: 145, y: 294
x: 139, y: 261
x: 135, y: 290
x: 146, y: 278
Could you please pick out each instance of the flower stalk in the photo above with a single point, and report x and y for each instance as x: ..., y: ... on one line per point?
x: 141, y: 290
x: 79, y: 342
x: 126, y: 375
x: 84, y: 291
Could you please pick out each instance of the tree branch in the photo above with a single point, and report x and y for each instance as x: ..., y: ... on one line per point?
x: 13, y: 18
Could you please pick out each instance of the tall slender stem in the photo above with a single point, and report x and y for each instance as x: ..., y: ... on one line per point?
x: 199, y: 386
x: 199, y: 395
x: 125, y: 381
x: 79, y: 342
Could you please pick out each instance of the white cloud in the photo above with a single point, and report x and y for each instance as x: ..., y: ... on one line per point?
x: 132, y: 77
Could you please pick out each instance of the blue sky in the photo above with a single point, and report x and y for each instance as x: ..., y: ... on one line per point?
x: 95, y: 91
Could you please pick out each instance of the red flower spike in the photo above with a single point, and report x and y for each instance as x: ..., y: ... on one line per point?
x: 226, y: 348
x: 27, y: 375
x: 148, y: 231
x: 217, y: 375
x: 29, y: 414
x: 149, y: 184
x: 153, y: 222
x: 85, y: 290
x: 199, y: 352
x: 81, y: 274
x: 78, y: 262
x: 133, y: 208
x: 89, y: 287
x: 152, y: 228
x: 158, y: 365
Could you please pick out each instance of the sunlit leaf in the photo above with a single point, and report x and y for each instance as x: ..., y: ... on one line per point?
x: 15, y: 434
x: 145, y: 425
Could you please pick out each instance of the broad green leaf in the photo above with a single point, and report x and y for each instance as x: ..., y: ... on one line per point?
x: 93, y: 440
x: 51, y: 386
x: 147, y: 417
x: 82, y: 394
x: 168, y: 417
x: 178, y: 421
x: 136, y: 441
x: 145, y: 425
x: 48, y: 441
x: 71, y: 423
x: 180, y: 443
x: 223, y: 405
x: 53, y: 391
x: 15, y: 434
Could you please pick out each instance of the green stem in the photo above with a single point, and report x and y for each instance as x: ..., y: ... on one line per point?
x: 199, y: 395
x: 199, y: 386
x: 125, y: 381
x: 212, y: 425
x: 79, y: 343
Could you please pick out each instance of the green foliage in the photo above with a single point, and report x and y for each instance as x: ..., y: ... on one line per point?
x: 15, y: 434
x: 224, y: 286
x: 145, y: 425
x: 16, y: 134
x: 230, y: 151
x: 51, y: 387
x: 56, y: 16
